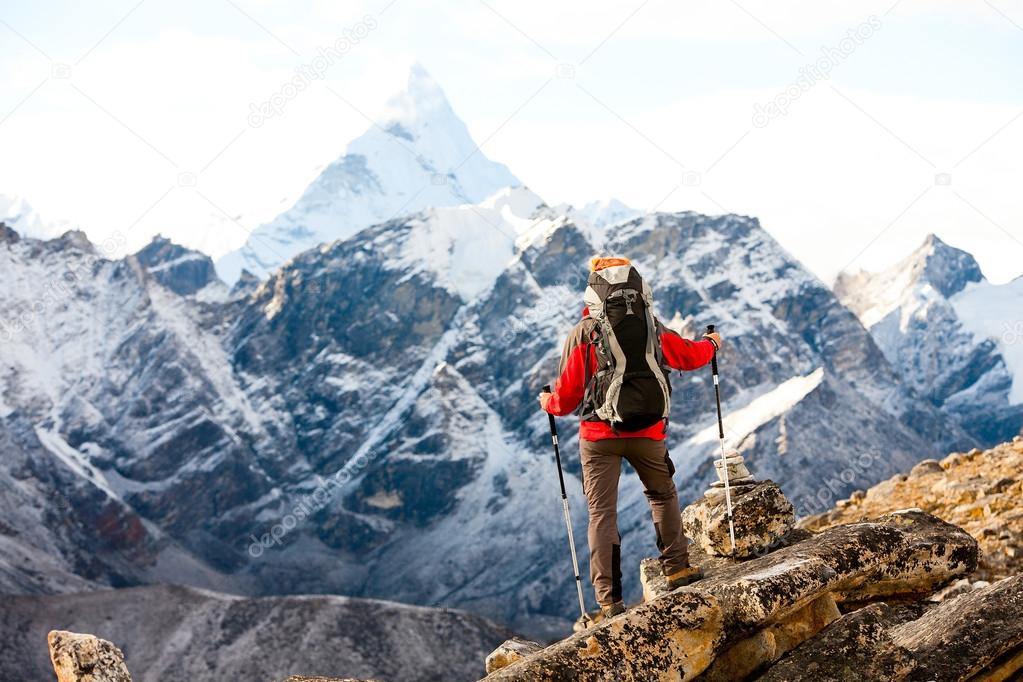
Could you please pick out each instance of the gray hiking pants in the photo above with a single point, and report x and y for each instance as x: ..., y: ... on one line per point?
x: 601, y: 465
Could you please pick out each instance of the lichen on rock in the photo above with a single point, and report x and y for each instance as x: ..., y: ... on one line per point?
x: 761, y: 515
x: 510, y: 651
x: 85, y: 658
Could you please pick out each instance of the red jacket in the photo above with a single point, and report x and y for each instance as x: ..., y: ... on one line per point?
x: 679, y: 353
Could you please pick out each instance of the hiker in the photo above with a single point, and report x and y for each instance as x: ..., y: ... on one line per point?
x: 615, y: 369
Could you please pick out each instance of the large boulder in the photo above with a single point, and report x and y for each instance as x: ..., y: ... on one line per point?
x: 769, y: 644
x: 672, y: 638
x: 761, y: 514
x: 856, y: 647
x: 85, y: 658
x: 977, y: 635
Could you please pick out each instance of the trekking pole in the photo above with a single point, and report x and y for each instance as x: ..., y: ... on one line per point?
x: 721, y: 439
x: 564, y: 508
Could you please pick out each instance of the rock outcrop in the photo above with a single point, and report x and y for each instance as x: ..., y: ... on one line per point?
x: 510, y: 651
x: 980, y: 491
x: 975, y: 636
x: 855, y: 647
x: 761, y: 515
x: 182, y: 270
x: 85, y: 658
x: 744, y: 616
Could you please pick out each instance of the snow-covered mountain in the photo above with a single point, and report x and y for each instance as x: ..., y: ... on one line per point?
x: 418, y: 154
x: 17, y: 213
x: 953, y: 336
x: 372, y: 404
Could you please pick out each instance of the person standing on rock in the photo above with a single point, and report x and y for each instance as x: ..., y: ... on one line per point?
x: 615, y: 370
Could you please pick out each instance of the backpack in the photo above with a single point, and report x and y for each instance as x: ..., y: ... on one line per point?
x: 630, y: 389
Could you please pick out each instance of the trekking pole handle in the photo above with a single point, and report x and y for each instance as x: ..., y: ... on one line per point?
x: 554, y: 428
x: 557, y: 446
x: 714, y: 358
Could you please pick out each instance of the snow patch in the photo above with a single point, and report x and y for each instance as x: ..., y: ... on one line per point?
x: 995, y: 311
x: 467, y: 247
x: 74, y: 460
x: 745, y: 421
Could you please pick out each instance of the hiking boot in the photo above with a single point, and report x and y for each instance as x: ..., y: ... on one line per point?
x: 612, y: 610
x: 684, y: 577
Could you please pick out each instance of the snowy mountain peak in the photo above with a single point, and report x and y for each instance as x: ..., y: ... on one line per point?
x: 933, y: 266
x: 419, y: 154
x: 17, y: 213
x: 945, y: 267
x: 422, y: 100
x: 949, y: 332
x: 600, y: 214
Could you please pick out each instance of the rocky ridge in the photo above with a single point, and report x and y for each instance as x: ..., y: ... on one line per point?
x: 979, y: 491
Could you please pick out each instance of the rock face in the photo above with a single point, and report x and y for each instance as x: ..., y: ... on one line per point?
x: 767, y: 645
x: 85, y: 658
x: 975, y: 636
x: 979, y: 491
x: 745, y: 616
x: 762, y: 515
x: 181, y: 270
x: 676, y: 636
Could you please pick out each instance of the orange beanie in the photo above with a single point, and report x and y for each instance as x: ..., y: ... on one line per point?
x: 599, y: 263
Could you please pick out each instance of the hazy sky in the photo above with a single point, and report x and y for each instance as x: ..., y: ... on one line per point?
x: 895, y: 119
